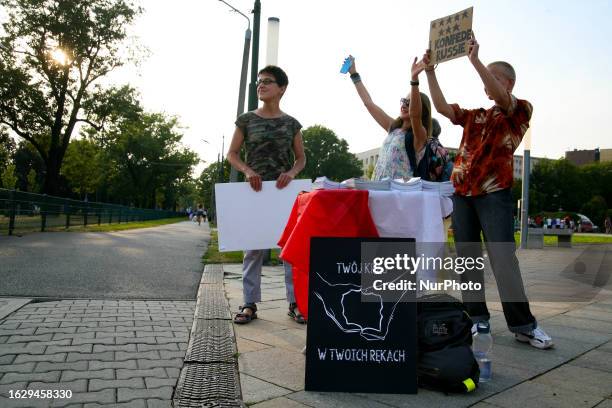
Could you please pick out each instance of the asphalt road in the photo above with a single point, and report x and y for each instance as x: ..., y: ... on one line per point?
x: 153, y: 263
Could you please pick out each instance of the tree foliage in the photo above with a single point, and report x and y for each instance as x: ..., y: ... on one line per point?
x: 28, y: 161
x: 558, y: 184
x: 82, y: 166
x: 7, y: 151
x: 216, y: 172
x: 146, y: 161
x: 52, y: 54
x: 596, y: 209
x: 327, y: 155
x: 8, y: 177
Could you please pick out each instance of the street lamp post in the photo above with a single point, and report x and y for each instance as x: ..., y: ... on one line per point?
x: 525, y: 193
x: 243, y: 75
x: 254, y: 56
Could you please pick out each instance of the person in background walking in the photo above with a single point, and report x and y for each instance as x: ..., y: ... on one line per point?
x: 200, y: 214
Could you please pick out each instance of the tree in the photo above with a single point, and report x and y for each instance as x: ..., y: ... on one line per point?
x: 9, y: 180
x: 557, y: 184
x: 53, y: 52
x: 82, y: 167
x: 146, y: 159
x: 27, y: 160
x: 32, y: 181
x: 327, y: 155
x: 597, y: 179
x: 7, y: 151
x: 596, y: 209
x: 206, y: 182
x: 187, y: 194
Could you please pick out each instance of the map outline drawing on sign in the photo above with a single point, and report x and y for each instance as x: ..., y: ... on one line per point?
x: 368, y: 333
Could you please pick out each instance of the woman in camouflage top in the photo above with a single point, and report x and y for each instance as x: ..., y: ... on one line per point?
x: 274, y: 151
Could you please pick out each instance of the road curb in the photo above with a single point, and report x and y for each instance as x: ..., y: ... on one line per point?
x: 10, y: 305
x: 209, y: 377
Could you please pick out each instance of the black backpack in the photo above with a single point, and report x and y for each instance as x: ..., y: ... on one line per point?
x: 435, y: 164
x: 445, y: 359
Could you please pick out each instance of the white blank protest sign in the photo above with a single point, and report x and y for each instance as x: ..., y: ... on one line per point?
x: 254, y: 220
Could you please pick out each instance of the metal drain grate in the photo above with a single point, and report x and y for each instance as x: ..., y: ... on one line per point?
x: 209, y: 404
x: 211, y: 382
x: 213, y: 328
x: 207, y: 349
x: 213, y: 309
x: 211, y: 291
x: 213, y: 274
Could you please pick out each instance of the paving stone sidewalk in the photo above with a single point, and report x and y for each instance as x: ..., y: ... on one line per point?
x: 107, y: 353
x: 576, y: 373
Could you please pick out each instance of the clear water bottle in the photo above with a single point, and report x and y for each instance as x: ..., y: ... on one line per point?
x: 482, y: 343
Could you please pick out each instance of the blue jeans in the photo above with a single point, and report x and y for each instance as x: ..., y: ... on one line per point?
x: 492, y: 215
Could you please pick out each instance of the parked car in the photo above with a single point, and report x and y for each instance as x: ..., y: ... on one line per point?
x: 585, y: 224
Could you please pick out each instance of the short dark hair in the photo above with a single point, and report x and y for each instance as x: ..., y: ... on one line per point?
x: 279, y: 75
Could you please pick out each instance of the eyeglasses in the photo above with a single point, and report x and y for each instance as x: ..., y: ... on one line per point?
x: 265, y: 81
x: 404, y: 102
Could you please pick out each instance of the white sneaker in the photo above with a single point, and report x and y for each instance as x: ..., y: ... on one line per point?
x: 537, y: 338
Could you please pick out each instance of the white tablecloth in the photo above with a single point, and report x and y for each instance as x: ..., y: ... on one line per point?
x: 414, y: 214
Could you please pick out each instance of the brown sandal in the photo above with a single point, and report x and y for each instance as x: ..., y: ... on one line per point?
x: 295, y: 314
x: 243, y: 317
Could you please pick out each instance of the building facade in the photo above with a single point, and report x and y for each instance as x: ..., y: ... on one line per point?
x: 582, y: 157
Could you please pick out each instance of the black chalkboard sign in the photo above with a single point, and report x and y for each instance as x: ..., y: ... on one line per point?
x: 357, y: 341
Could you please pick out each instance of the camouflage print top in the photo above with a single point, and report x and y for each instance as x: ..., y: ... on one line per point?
x: 269, y: 143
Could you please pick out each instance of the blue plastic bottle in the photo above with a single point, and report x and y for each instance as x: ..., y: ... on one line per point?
x: 348, y: 61
x: 482, y: 343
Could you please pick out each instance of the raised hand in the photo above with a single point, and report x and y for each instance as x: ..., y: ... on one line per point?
x: 417, y: 68
x: 427, y: 60
x: 473, y: 48
x: 352, y: 69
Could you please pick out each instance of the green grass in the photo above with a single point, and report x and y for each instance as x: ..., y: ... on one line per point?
x: 33, y: 225
x: 584, y: 239
x: 213, y: 256
x: 550, y: 240
x: 125, y: 225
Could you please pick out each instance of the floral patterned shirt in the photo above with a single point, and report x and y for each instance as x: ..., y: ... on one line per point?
x: 393, y: 160
x: 484, y: 163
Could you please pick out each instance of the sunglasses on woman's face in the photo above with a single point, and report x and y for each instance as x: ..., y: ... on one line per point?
x: 404, y: 102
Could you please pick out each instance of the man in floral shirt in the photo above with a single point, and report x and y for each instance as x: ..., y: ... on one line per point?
x: 482, y: 177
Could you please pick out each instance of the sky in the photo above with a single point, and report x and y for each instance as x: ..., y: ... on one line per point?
x: 561, y: 51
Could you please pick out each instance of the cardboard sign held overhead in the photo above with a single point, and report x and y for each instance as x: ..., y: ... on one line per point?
x: 449, y: 36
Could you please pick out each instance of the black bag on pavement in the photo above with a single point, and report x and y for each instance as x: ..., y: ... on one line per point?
x: 445, y: 361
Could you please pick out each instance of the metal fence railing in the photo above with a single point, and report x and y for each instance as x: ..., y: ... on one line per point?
x: 21, y: 211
